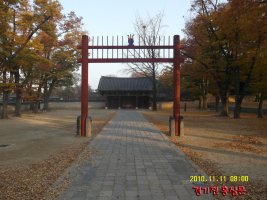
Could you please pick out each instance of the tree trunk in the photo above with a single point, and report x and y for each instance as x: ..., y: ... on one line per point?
x: 48, y: 92
x: 205, y: 102
x: 237, y: 110
x: 32, y: 106
x: 204, y: 93
x: 46, y: 106
x: 37, y: 102
x: 200, y: 100
x: 36, y: 106
x: 224, y: 94
x: 18, y: 95
x: 260, y: 105
x: 46, y: 103
x: 217, y: 101
x: 225, y: 106
x: 225, y: 110
x: 257, y: 98
x: 4, y: 114
x: 5, y: 105
x: 237, y: 95
x: 154, y: 106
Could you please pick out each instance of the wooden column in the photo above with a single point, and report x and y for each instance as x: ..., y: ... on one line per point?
x: 176, y: 82
x: 84, y: 99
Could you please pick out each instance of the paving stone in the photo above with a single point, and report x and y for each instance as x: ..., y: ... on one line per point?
x: 146, y: 197
x: 108, y: 183
x: 172, y: 198
x: 131, y: 178
x: 103, y: 198
x: 107, y: 187
x: 134, y: 160
x: 158, y: 197
x: 105, y: 193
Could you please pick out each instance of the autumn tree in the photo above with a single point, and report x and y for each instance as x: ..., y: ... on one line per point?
x: 148, y: 31
x: 20, y: 20
x: 203, y: 45
x: 258, y: 84
x: 38, y: 50
x: 220, y: 39
x: 32, y: 66
x: 61, y: 50
x: 54, y: 55
x: 196, y: 80
x: 72, y: 90
x: 245, y: 34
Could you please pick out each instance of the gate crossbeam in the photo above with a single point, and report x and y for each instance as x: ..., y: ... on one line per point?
x: 130, y: 47
x: 127, y: 60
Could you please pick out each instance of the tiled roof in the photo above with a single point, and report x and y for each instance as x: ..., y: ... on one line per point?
x: 125, y: 84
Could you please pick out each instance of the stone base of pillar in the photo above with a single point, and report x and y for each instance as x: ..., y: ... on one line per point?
x: 172, y: 129
x: 88, y: 127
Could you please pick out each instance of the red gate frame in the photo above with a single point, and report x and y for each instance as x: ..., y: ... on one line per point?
x: 176, y: 73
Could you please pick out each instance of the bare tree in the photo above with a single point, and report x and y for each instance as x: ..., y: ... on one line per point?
x: 148, y: 32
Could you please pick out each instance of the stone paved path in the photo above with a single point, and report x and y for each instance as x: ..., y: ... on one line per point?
x: 134, y: 160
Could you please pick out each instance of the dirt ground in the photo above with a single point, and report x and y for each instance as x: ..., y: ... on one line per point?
x: 40, y: 147
x: 223, y: 146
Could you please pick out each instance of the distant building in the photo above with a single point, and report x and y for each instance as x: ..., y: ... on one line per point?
x: 126, y: 92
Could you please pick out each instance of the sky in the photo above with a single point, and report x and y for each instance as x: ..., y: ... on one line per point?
x: 116, y: 17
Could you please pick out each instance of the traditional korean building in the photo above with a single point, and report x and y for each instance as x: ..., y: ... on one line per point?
x: 126, y: 92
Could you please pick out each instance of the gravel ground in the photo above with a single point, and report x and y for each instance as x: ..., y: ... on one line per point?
x: 224, y: 146
x: 40, y: 147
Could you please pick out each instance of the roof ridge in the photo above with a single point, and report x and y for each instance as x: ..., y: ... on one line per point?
x: 125, y: 83
x: 123, y: 77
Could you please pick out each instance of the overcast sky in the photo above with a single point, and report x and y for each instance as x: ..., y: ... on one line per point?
x: 116, y: 17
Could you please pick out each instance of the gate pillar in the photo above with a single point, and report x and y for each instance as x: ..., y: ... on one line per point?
x: 84, y: 97
x: 176, y: 83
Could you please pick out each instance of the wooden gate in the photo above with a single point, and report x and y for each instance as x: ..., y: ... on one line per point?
x: 116, y: 52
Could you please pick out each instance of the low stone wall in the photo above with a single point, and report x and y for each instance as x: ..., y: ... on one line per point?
x: 11, y: 107
x: 98, y: 104
x: 165, y: 105
x: 76, y: 105
x: 56, y: 105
